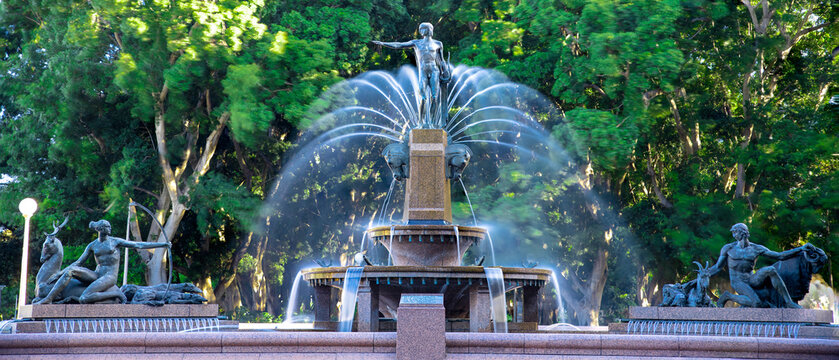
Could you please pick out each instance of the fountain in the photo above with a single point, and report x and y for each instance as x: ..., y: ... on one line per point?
x: 428, y: 152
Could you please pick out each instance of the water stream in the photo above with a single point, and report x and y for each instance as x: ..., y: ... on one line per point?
x: 385, y: 204
x: 349, y: 295
x: 498, y: 300
x: 390, y: 248
x: 457, y: 238
x: 713, y: 328
x: 292, y: 299
x: 474, y: 219
x: 491, y: 248
x: 113, y: 325
x: 560, y: 309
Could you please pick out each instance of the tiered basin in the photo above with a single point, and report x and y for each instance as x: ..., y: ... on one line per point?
x: 454, y: 282
x: 427, y: 245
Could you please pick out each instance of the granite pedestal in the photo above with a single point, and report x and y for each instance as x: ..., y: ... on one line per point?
x: 421, y: 330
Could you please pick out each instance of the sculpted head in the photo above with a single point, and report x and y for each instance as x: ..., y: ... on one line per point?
x: 426, y: 29
x: 398, y: 157
x: 101, y: 226
x: 740, y: 231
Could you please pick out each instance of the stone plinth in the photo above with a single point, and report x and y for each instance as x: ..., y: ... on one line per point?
x: 100, y: 318
x: 731, y: 314
x: 421, y: 330
x: 480, y: 309
x: 61, y: 311
x: 428, y: 192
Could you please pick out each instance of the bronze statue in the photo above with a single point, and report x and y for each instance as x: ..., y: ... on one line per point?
x: 432, y: 70
x: 101, y: 283
x: 457, y: 157
x: 52, y: 254
x: 740, y: 256
x: 693, y: 293
x: 157, y: 295
x: 398, y: 158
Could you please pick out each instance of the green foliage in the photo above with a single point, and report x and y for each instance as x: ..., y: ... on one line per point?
x: 245, y: 315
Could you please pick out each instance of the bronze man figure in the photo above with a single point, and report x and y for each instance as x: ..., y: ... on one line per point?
x: 740, y: 257
x: 432, y: 69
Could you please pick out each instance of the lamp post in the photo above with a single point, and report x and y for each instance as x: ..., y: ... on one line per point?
x: 27, y: 207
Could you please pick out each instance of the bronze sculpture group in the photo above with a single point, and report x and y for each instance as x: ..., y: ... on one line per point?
x: 77, y: 284
x: 782, y: 284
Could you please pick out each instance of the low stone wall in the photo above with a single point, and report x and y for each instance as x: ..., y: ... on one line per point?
x: 330, y: 345
x: 541, y: 346
x: 207, y: 345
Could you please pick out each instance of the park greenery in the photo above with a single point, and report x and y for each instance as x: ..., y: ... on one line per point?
x: 683, y: 116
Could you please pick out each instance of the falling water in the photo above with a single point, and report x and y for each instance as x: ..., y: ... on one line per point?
x: 498, y: 301
x: 559, y: 308
x: 491, y: 248
x: 292, y: 300
x: 390, y: 248
x: 474, y: 219
x: 349, y: 295
x: 363, y: 239
x: 457, y: 238
x: 713, y: 328
x: 386, y: 202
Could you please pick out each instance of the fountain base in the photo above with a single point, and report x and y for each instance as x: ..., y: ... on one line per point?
x: 464, y: 288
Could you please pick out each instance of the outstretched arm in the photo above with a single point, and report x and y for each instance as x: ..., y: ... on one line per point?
x: 718, y: 266
x: 395, y: 45
x: 83, y: 257
x: 784, y: 254
x: 141, y: 245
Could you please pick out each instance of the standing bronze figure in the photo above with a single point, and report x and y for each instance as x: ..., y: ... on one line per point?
x: 432, y: 68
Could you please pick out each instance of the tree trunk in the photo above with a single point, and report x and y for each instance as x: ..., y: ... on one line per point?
x: 158, y: 271
x: 740, y: 191
x: 205, y: 283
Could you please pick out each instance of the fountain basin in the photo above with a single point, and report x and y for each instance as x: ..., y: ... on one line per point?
x: 464, y: 289
x: 427, y: 245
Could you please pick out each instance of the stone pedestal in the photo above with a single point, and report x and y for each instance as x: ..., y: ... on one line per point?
x: 421, y: 329
x: 480, y: 309
x: 428, y: 192
x: 103, y: 318
x: 531, y: 304
x: 368, y: 307
x: 323, y: 303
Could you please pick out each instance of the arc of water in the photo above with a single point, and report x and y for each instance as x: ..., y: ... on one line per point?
x: 453, y: 125
x: 342, y: 127
x: 489, y: 132
x: 402, y: 95
x: 495, y: 120
x: 479, y: 93
x: 466, y: 79
x: 365, y: 82
x: 359, y: 134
